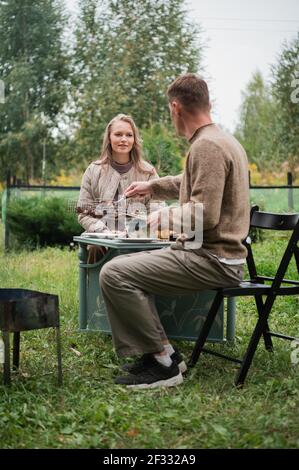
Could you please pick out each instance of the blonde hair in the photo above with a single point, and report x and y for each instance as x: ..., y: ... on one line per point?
x: 135, y: 153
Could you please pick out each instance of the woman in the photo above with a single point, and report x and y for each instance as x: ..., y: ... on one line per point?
x: 106, y: 179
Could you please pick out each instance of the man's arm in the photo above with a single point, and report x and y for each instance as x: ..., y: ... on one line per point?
x: 167, y: 187
x: 163, y: 188
x: 153, y: 203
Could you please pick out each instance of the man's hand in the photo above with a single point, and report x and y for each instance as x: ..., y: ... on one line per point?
x: 140, y: 188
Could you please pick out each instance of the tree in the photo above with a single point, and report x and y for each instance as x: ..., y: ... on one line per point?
x: 257, y: 129
x: 163, y: 149
x: 127, y: 53
x: 34, y: 68
x: 90, y: 103
x: 286, y: 91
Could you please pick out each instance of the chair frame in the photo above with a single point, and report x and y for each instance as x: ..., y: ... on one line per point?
x: 256, y: 287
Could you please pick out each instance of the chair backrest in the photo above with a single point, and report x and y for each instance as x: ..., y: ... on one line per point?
x: 267, y: 220
x: 270, y: 221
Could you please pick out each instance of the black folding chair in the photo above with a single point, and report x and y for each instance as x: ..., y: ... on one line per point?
x: 256, y: 287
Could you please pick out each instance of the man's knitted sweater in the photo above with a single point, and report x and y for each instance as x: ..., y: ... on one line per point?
x: 216, y: 175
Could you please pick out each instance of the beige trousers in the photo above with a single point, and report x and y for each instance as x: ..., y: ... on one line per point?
x: 129, y: 283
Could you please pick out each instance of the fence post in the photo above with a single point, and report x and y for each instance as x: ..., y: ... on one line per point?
x: 249, y: 178
x: 6, y: 228
x: 290, y: 192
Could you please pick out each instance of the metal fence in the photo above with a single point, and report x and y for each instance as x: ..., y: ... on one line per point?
x: 280, y: 199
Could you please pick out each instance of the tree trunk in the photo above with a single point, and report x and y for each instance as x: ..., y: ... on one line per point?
x: 30, y: 163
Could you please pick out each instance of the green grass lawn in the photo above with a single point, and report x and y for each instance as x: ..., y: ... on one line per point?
x: 89, y: 411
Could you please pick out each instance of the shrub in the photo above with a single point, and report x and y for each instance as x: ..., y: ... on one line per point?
x: 163, y: 149
x: 257, y: 234
x: 41, y: 221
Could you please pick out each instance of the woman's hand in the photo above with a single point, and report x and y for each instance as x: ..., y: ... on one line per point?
x: 140, y: 188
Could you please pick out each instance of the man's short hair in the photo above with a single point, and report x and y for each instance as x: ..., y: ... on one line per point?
x: 191, y: 91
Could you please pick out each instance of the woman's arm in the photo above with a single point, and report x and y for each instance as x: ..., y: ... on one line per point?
x: 86, y: 204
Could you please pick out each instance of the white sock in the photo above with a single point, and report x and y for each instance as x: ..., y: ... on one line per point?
x: 169, y: 349
x: 163, y: 359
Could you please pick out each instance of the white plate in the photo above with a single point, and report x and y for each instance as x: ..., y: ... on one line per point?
x: 139, y: 240
x: 99, y: 235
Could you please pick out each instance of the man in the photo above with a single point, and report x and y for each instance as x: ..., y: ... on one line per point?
x: 216, y: 176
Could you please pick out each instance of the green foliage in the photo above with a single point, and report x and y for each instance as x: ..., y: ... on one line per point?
x: 41, y: 221
x: 34, y: 68
x: 163, y: 149
x: 118, y: 61
x: 127, y: 53
x: 258, y: 122
x: 269, y: 114
x: 89, y: 411
x: 286, y: 91
x: 257, y: 234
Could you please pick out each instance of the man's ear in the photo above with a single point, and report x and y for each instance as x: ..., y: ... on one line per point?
x: 176, y: 107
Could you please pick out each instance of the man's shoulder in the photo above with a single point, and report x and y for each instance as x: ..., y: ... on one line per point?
x: 205, y: 145
x: 216, y: 139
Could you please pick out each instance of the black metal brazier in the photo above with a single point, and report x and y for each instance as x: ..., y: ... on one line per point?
x: 21, y: 310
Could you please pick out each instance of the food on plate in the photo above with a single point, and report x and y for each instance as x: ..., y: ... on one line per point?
x: 165, y: 234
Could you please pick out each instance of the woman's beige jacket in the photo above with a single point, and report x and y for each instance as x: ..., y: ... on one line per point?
x: 100, y: 182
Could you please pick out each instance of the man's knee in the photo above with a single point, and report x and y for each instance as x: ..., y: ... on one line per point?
x: 108, y: 273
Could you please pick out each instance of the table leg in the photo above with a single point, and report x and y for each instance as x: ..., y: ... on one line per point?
x: 82, y: 287
x: 16, y: 350
x: 231, y: 322
x: 6, y: 375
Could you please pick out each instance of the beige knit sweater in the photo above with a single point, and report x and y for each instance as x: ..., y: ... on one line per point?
x: 100, y: 182
x: 216, y: 175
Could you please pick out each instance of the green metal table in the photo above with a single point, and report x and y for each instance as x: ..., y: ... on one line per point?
x: 182, y: 316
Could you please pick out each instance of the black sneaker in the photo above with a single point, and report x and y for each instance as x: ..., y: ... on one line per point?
x: 154, y: 375
x: 141, y: 363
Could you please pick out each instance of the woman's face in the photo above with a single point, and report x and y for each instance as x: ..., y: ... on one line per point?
x: 121, y: 137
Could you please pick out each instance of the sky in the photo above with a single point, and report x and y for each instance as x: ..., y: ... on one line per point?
x: 241, y: 37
